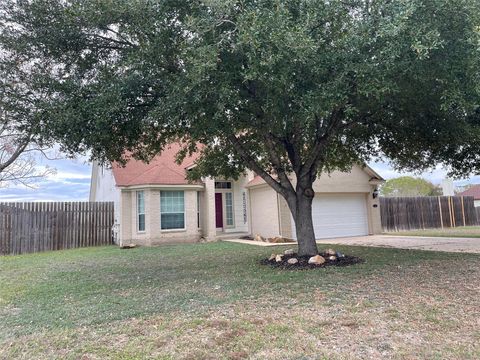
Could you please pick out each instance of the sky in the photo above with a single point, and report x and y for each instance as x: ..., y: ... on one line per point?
x: 71, y: 182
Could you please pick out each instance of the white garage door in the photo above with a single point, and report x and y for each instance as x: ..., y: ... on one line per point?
x: 339, y: 215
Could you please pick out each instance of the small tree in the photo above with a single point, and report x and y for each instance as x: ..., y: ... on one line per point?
x: 409, y: 186
x: 20, y: 146
x: 289, y: 89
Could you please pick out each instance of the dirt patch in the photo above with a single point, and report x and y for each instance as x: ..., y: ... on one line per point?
x: 302, y: 264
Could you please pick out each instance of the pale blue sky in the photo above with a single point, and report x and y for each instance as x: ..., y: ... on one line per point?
x: 72, y: 181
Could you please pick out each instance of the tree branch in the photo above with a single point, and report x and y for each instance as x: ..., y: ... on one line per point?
x: 321, y: 138
x: 253, y: 165
x: 18, y: 151
x: 276, y: 161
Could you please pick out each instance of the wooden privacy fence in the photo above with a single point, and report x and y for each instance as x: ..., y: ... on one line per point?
x: 28, y: 227
x: 424, y: 212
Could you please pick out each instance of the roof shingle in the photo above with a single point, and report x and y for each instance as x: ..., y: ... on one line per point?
x: 473, y: 191
x: 161, y: 170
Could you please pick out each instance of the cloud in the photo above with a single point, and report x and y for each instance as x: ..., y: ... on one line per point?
x: 71, y: 182
x: 435, y: 176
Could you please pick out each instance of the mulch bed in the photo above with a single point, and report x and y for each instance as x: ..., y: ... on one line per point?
x: 303, y: 264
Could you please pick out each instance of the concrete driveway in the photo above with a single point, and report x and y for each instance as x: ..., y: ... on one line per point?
x: 449, y: 244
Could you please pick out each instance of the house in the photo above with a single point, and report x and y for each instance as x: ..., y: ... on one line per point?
x: 473, y: 191
x: 154, y: 203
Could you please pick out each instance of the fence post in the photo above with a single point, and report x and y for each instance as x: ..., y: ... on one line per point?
x: 27, y: 227
x: 452, y: 204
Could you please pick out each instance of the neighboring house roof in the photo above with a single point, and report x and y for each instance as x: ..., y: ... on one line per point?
x: 473, y: 191
x: 161, y: 170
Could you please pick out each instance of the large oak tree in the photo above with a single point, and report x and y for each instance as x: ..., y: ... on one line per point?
x: 289, y: 89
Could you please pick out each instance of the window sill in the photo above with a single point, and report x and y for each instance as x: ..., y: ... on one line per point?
x: 172, y: 230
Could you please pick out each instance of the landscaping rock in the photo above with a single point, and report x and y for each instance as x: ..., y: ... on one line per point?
x: 128, y: 246
x: 289, y: 252
x: 340, y: 255
x: 259, y: 238
x: 295, y: 262
x: 330, y: 252
x: 332, y: 258
x: 279, y: 240
x: 317, y: 260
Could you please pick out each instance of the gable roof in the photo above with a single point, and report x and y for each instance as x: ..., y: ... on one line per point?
x: 258, y: 180
x: 473, y: 191
x: 161, y: 170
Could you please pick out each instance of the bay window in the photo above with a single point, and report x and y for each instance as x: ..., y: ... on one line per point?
x: 172, y: 210
x: 140, y: 211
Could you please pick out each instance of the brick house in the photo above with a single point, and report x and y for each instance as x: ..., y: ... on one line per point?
x: 154, y: 203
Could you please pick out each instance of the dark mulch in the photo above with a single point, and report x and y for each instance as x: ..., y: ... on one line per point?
x: 303, y: 264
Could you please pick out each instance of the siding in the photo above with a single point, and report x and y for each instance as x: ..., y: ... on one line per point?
x: 355, y: 181
x: 264, y: 212
x: 103, y: 189
x: 286, y: 220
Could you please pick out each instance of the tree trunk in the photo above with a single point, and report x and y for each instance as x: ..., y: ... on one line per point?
x: 304, y: 223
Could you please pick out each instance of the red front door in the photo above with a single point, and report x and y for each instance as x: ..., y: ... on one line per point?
x: 218, y: 210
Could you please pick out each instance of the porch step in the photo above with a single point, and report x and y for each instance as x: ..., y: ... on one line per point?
x: 232, y: 235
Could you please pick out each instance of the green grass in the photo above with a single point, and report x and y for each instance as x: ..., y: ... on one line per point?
x: 215, y: 301
x: 463, y: 231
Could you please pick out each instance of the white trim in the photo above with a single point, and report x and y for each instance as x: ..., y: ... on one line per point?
x: 226, y: 226
x: 224, y: 208
x: 257, y: 185
x: 93, y: 182
x: 173, y: 230
x: 199, y: 212
x: 184, y: 215
x: 163, y: 187
x: 138, y: 214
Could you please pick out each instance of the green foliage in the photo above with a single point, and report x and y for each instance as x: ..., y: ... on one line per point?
x: 277, y: 86
x: 282, y: 87
x: 409, y: 186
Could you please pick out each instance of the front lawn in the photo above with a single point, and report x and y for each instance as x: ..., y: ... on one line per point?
x: 210, y: 301
x: 461, y: 231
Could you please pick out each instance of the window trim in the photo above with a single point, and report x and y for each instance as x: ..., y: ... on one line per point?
x: 137, y: 193
x: 184, y: 215
x: 228, y: 185
x: 199, y: 219
x: 225, y: 209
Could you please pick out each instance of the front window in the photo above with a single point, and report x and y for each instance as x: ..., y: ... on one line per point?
x: 229, y: 208
x: 172, y: 210
x: 140, y: 211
